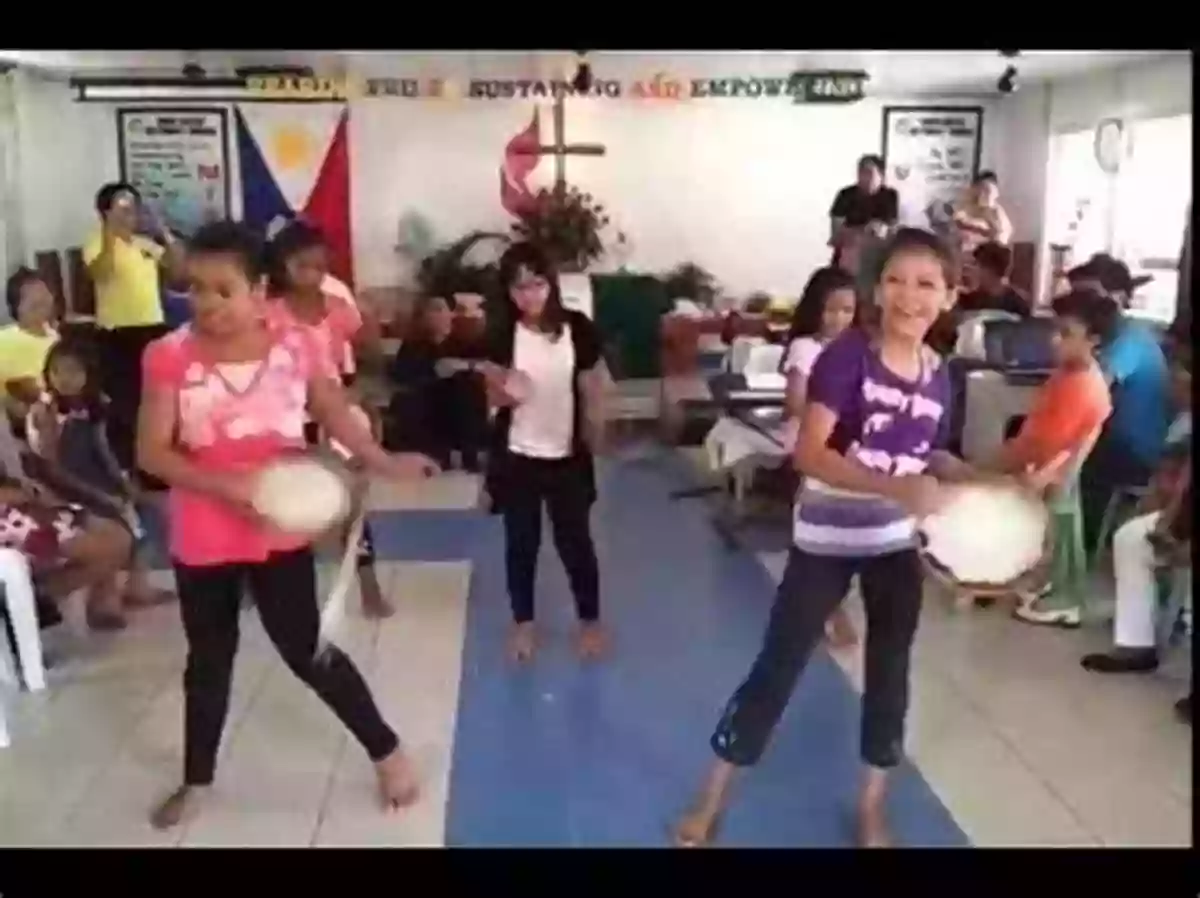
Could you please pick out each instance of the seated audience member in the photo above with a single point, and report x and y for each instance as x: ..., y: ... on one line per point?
x: 826, y: 309
x: 992, y: 263
x: 1106, y: 274
x: 67, y: 434
x: 1136, y: 368
x: 1067, y: 414
x: 440, y: 406
x: 68, y: 550
x: 25, y: 343
x: 1146, y: 541
x: 979, y: 218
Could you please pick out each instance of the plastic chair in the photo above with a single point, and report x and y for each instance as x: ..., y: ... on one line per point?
x: 1175, y: 600
x: 739, y: 353
x: 16, y: 583
x: 763, y: 358
x: 1119, y: 501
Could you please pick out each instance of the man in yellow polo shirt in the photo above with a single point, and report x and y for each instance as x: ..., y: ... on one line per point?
x: 125, y: 271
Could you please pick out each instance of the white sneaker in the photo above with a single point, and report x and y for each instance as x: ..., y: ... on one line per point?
x: 1028, y: 611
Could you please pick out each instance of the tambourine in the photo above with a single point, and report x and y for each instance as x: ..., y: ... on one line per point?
x: 302, y: 495
x: 989, y: 539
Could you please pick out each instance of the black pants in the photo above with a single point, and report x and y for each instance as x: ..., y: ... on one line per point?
x: 441, y: 417
x: 120, y: 352
x: 284, y: 589
x: 564, y: 488
x: 1108, y: 467
x: 812, y: 587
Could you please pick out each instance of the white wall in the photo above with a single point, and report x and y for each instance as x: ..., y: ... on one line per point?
x: 739, y: 186
x: 1025, y: 122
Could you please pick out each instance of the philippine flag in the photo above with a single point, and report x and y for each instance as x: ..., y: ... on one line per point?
x: 295, y: 163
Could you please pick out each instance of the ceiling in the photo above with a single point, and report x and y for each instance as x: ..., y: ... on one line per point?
x: 892, y: 71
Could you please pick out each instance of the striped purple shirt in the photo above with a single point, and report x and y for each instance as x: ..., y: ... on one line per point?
x: 886, y: 423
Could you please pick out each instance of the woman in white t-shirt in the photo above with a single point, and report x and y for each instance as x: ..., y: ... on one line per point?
x: 546, y: 377
x: 827, y: 307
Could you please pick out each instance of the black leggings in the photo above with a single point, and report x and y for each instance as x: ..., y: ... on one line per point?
x: 812, y: 587
x: 284, y: 589
x: 565, y: 489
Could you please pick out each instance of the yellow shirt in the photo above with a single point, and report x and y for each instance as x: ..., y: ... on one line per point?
x: 129, y: 296
x: 22, y: 354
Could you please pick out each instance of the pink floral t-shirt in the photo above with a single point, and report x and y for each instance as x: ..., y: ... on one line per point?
x: 232, y: 417
x: 334, y: 334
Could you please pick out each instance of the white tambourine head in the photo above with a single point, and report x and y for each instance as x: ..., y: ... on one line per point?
x: 987, y: 534
x: 301, y: 496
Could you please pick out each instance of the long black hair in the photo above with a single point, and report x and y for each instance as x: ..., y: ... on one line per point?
x: 908, y: 241
x: 295, y: 237
x: 90, y: 399
x: 806, y: 317
x: 532, y: 259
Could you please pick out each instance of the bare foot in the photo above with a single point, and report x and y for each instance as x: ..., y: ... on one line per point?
x: 398, y: 786
x: 839, y: 630
x: 592, y: 640
x: 873, y: 831
x: 521, y: 643
x: 181, y: 805
x: 696, y: 829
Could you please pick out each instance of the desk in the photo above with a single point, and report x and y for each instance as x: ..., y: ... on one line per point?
x: 992, y: 399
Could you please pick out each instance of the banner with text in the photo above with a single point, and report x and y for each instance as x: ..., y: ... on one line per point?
x: 825, y: 86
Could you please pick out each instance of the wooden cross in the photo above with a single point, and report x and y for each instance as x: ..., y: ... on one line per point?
x: 560, y: 149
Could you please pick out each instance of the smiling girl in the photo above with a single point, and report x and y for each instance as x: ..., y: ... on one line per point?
x: 877, y: 404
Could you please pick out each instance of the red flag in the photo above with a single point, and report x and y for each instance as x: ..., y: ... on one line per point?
x: 520, y: 159
x: 328, y: 206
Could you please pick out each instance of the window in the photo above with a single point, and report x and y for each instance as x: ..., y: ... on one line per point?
x: 1154, y: 190
x: 1081, y: 196
x: 1138, y: 216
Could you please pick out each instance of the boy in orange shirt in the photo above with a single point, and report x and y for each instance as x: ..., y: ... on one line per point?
x: 1067, y: 414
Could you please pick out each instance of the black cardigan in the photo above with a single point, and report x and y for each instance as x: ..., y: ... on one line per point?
x: 585, y: 340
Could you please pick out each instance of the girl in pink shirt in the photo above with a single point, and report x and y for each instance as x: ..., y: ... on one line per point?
x: 299, y: 270
x: 225, y: 396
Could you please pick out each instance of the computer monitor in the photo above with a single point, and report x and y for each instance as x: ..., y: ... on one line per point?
x: 1026, y: 345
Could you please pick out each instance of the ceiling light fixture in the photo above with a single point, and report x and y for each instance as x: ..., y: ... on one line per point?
x: 1008, y: 81
x: 582, y: 82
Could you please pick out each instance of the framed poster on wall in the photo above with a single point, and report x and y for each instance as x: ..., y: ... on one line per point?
x: 178, y: 159
x: 931, y: 155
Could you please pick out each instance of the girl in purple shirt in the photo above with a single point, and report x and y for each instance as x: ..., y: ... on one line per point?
x: 876, y: 412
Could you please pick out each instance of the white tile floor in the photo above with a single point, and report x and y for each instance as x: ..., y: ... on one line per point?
x: 92, y: 754
x: 1026, y: 748
x: 1023, y: 746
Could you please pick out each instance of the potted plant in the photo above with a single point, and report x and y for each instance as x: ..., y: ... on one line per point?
x: 448, y: 271
x: 690, y: 281
x: 566, y: 224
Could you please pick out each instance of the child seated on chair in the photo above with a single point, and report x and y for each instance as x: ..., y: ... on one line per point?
x: 66, y: 430
x: 1068, y: 411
